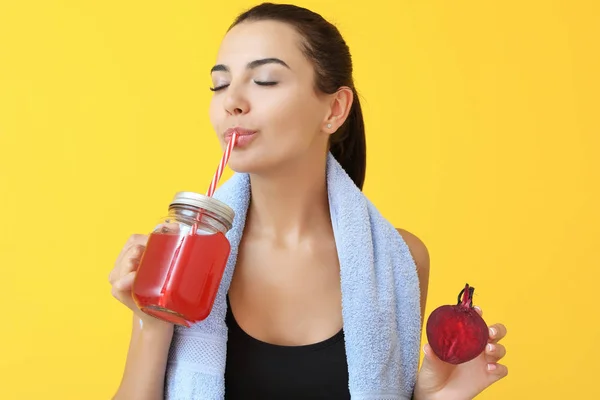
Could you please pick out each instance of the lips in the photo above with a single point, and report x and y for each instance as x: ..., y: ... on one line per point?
x: 245, y: 136
x: 240, y: 131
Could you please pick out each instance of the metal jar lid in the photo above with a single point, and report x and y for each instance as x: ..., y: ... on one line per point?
x: 208, y: 203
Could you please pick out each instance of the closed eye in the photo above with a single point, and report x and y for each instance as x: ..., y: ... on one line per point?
x: 260, y: 83
x: 265, y: 83
x: 217, y: 88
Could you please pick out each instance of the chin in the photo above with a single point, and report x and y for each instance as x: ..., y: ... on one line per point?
x: 245, y: 162
x: 256, y: 161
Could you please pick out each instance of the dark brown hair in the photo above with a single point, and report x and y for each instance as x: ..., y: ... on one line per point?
x: 324, y: 46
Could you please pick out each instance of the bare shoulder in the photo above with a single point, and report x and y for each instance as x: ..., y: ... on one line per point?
x: 417, y: 248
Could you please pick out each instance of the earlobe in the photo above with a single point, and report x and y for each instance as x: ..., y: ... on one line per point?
x: 328, y: 129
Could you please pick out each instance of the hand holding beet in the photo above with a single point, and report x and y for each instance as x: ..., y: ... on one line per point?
x: 461, y: 358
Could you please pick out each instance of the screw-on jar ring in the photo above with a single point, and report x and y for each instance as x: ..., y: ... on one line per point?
x: 210, y: 204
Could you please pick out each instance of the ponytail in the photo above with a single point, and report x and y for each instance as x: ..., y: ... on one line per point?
x: 349, y: 146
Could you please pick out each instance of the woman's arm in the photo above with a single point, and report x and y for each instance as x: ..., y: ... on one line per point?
x: 146, y: 364
x: 420, y: 255
x: 440, y: 380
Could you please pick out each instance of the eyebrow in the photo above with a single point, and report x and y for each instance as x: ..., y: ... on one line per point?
x: 252, y: 64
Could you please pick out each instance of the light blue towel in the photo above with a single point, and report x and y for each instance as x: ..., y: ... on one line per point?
x: 380, y: 302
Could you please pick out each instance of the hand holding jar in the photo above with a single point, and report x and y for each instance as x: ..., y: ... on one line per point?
x: 177, y: 275
x: 123, y: 275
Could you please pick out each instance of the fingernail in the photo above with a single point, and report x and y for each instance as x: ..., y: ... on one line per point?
x: 490, y: 347
x: 491, y: 367
x: 425, y: 351
x: 477, y: 308
x: 492, y: 332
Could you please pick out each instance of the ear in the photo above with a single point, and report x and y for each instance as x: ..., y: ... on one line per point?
x: 339, y: 108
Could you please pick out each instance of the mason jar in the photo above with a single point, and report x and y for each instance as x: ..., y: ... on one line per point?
x: 182, y: 265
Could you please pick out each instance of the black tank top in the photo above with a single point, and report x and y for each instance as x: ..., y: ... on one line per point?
x: 259, y: 370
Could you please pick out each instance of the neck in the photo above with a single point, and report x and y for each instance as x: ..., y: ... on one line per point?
x: 290, y: 202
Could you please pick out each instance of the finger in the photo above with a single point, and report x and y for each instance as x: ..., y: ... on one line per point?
x: 497, y: 332
x: 494, y: 352
x: 133, y: 240
x: 112, y: 275
x: 479, y: 310
x: 167, y: 228
x: 132, y: 262
x: 496, y: 372
x: 433, y: 364
x: 125, y: 283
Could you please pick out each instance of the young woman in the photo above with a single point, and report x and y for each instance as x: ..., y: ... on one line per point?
x: 284, y: 78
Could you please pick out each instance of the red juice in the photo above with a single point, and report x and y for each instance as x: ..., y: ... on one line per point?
x: 179, y: 276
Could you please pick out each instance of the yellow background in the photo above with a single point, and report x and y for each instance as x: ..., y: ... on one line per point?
x: 483, y: 139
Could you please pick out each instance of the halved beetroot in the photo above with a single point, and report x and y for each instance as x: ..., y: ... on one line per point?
x: 457, y: 333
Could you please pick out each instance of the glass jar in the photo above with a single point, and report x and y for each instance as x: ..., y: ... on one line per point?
x: 181, y: 268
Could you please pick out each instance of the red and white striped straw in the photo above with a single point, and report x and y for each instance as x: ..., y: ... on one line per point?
x: 216, y: 177
x: 222, y: 164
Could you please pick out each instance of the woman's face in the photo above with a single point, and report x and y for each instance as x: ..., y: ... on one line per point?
x: 264, y: 85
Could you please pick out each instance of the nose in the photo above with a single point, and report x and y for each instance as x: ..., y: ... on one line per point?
x: 236, y: 103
